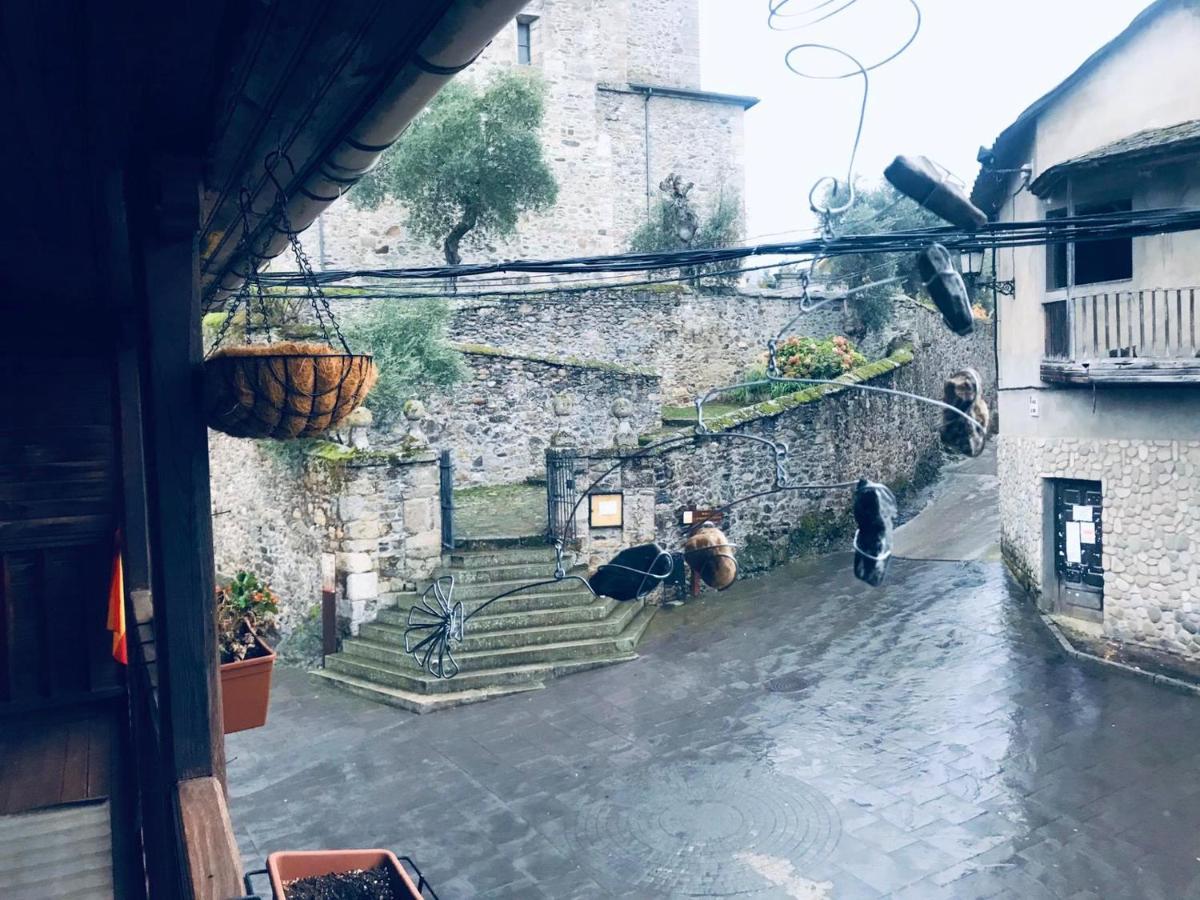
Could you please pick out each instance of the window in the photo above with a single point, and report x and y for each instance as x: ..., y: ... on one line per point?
x: 1098, y: 261
x: 1056, y: 257
x: 524, y: 41
x: 1091, y: 262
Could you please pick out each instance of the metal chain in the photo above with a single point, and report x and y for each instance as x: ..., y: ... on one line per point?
x: 312, y: 288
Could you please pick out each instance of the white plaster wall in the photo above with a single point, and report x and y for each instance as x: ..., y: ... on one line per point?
x: 1148, y: 83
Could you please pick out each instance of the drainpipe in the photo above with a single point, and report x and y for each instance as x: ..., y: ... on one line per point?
x: 646, y: 142
x: 462, y: 34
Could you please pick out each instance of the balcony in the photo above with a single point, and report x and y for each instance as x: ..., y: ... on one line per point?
x: 1123, y: 338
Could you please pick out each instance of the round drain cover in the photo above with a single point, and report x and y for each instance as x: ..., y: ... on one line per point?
x: 695, y: 829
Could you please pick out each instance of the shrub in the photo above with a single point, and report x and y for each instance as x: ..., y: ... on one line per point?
x: 412, y: 355
x: 801, y: 357
x: 246, y: 610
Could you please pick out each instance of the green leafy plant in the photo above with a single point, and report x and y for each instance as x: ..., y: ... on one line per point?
x: 412, y: 354
x: 801, y: 357
x: 877, y: 210
x: 674, y: 225
x: 470, y: 164
x: 246, y: 610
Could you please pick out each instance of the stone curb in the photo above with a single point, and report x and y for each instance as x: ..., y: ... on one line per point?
x: 1071, y: 650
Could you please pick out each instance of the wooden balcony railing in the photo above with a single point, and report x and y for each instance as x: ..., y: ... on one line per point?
x: 1123, y: 337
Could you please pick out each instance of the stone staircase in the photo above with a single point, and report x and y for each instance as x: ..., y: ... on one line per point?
x: 516, y: 645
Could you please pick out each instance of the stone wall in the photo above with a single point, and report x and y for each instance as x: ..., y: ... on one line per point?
x: 373, y: 518
x: 833, y: 434
x: 694, y: 341
x: 599, y: 144
x: 499, y: 422
x: 1151, y: 533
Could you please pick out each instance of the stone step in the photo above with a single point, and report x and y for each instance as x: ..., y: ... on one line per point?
x: 475, y: 640
x: 485, y: 590
x: 470, y: 559
x: 416, y: 702
x: 523, y: 602
x: 509, y: 572
x: 416, y: 681
x: 492, y: 543
x: 506, y: 620
x: 472, y: 661
x: 514, y: 678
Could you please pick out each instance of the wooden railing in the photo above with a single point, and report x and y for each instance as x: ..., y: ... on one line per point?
x: 1147, y: 324
x: 1123, y: 337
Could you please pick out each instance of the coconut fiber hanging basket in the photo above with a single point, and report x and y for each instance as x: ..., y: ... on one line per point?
x: 284, y: 390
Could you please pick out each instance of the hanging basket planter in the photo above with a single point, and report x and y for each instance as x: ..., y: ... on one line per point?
x: 284, y: 390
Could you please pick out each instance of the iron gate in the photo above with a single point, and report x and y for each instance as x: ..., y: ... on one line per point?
x: 446, y: 489
x: 560, y: 494
x: 1079, y: 542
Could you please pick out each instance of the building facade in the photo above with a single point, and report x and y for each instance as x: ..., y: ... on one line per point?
x: 624, y: 109
x: 1099, y: 393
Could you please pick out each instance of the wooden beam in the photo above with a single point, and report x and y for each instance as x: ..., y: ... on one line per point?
x: 214, y: 863
x: 176, y: 460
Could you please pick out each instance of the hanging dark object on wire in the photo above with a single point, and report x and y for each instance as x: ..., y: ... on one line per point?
x: 947, y: 288
x: 875, y: 515
x: 964, y: 391
x: 633, y: 573
x: 709, y: 554
x: 920, y: 179
x: 282, y: 389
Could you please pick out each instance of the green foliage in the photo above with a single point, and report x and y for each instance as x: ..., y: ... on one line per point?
x: 246, y: 610
x: 801, y: 357
x: 411, y: 352
x: 722, y: 227
x: 877, y: 210
x: 471, y: 163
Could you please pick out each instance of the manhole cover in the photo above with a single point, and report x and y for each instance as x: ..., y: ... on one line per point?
x: 789, y: 683
x: 689, y: 830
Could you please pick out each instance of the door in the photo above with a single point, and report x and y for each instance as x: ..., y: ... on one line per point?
x: 1078, y: 545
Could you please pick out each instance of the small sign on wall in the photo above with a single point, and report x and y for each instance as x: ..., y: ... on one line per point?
x: 1034, y: 408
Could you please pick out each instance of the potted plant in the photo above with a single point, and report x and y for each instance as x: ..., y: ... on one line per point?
x: 307, y: 874
x: 246, y: 611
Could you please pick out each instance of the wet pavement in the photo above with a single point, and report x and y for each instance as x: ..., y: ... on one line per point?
x: 801, y: 735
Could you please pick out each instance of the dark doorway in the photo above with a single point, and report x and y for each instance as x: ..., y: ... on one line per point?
x: 1079, y: 547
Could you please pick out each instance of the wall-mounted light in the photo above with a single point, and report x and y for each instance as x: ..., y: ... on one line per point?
x: 970, y: 262
x: 606, y: 510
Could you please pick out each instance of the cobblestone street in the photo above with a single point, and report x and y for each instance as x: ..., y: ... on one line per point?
x: 799, y: 736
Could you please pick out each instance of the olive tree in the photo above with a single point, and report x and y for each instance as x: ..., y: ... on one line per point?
x: 470, y: 164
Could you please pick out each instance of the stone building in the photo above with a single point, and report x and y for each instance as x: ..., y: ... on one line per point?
x: 1099, y: 452
x: 624, y: 109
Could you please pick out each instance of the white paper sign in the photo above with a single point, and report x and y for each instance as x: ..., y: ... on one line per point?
x: 608, y: 507
x: 1087, y: 533
x: 1074, y: 551
x: 1081, y: 513
x: 1034, y: 410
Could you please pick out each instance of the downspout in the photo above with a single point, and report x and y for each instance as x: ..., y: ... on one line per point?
x: 459, y: 37
x: 646, y: 143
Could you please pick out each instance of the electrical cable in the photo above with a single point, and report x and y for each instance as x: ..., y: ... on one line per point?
x: 785, y: 15
x: 1074, y: 229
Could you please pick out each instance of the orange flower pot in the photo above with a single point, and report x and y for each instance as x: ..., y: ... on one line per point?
x: 293, y: 864
x: 246, y: 691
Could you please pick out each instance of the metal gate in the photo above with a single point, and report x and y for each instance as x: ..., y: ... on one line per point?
x: 446, y: 489
x: 1079, y: 543
x: 560, y: 494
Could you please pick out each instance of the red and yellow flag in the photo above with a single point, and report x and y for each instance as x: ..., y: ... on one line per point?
x: 116, y: 604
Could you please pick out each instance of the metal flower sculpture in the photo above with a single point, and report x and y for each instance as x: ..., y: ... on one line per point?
x: 435, y: 626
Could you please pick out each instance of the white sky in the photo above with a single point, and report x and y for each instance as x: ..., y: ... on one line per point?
x: 975, y: 66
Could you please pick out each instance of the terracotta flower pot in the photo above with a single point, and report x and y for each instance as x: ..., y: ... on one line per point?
x: 246, y: 690
x: 294, y: 864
